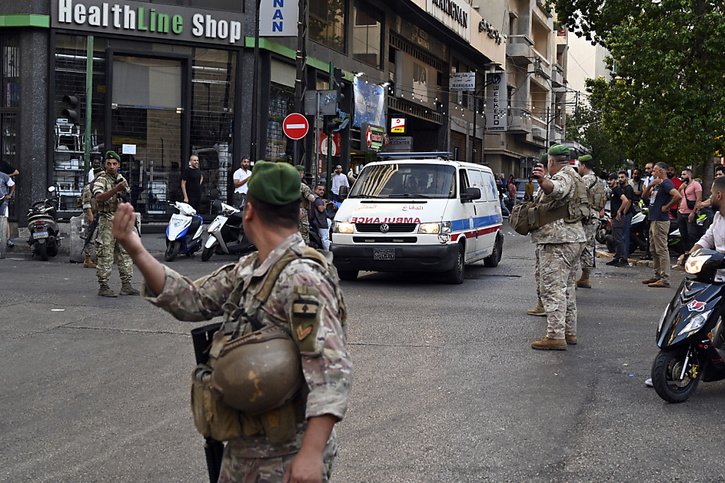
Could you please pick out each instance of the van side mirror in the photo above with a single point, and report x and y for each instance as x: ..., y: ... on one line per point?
x: 471, y: 194
x: 344, y: 190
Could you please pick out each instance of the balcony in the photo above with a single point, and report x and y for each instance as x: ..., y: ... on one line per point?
x: 538, y: 132
x: 557, y: 78
x: 519, y: 121
x: 520, y: 49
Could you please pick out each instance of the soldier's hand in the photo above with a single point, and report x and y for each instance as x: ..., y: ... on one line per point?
x: 124, y: 224
x: 304, y: 468
x: 122, y: 186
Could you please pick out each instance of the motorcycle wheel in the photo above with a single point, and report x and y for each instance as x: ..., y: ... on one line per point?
x: 601, y: 235
x: 52, y: 250
x: 666, y: 371
x: 611, y: 246
x: 172, y: 250
x: 43, y: 251
x: 207, y: 253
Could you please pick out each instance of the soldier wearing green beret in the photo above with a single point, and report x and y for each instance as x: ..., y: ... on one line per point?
x: 307, y: 196
x: 285, y: 287
x: 597, y: 195
x: 108, y: 190
x: 559, y: 242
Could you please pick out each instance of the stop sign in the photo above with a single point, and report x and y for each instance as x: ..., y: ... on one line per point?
x: 295, y: 126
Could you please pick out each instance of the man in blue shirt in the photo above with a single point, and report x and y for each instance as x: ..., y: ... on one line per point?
x: 666, y: 197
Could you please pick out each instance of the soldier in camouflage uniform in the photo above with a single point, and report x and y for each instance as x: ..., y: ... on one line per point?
x: 306, y: 197
x: 90, y: 211
x: 559, y: 246
x: 586, y: 170
x: 107, y: 187
x: 270, y: 220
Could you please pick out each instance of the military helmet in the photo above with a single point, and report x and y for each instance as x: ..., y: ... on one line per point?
x: 258, y: 372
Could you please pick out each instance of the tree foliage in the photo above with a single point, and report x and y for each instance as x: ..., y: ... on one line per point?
x: 667, y: 97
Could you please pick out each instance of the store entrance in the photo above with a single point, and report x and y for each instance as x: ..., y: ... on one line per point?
x: 146, y: 127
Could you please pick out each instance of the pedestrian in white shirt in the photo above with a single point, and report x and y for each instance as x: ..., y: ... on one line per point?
x: 338, y: 180
x: 241, y: 177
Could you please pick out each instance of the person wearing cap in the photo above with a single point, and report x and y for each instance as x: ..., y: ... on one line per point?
x: 307, y: 197
x: 305, y: 301
x: 559, y: 242
x: 90, y: 209
x: 597, y: 199
x: 109, y: 189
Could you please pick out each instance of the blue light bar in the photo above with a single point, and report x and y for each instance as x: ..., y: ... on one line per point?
x: 416, y: 155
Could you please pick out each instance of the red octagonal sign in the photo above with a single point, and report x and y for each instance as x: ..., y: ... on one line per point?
x: 295, y: 126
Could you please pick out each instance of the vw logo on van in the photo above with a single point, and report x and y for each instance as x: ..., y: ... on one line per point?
x: 384, y: 228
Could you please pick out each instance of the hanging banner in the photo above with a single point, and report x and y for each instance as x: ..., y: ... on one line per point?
x: 278, y: 18
x: 463, y: 81
x: 496, y: 101
x: 369, y: 103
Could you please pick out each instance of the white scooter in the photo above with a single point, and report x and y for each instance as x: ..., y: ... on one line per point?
x: 226, y: 233
x: 183, y: 234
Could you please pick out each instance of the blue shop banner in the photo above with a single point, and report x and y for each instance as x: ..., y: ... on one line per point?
x: 369, y: 103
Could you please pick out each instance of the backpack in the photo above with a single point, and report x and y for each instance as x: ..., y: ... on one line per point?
x: 597, y: 195
x: 532, y: 215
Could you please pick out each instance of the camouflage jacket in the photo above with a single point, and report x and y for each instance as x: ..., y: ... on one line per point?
x: 101, y: 184
x: 560, y: 231
x: 305, y: 193
x: 327, y: 370
x: 88, y: 202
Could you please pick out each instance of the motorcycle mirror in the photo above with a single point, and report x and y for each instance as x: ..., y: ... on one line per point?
x: 51, y: 189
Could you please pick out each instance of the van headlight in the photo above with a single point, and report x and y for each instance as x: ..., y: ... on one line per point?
x: 344, y: 227
x: 696, y: 323
x: 434, y: 228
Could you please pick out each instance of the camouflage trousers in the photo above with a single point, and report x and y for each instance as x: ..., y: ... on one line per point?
x: 537, y: 275
x: 557, y: 286
x: 587, y: 256
x: 304, y: 226
x: 109, y: 251
x: 264, y: 470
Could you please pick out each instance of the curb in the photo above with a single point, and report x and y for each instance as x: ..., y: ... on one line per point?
x: 635, y: 262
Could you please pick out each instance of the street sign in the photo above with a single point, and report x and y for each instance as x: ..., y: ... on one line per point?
x: 463, y: 81
x: 295, y: 126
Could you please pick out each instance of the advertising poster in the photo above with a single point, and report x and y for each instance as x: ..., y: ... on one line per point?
x: 369, y: 104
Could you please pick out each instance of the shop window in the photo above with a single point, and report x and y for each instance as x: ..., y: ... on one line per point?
x: 281, y: 103
x: 367, y: 34
x: 10, y: 81
x: 327, y: 23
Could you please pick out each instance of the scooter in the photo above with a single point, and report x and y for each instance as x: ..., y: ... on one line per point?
x: 691, y: 333
x: 183, y: 233
x: 44, y: 239
x: 226, y: 233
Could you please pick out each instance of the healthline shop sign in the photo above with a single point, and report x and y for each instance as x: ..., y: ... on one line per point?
x: 162, y: 22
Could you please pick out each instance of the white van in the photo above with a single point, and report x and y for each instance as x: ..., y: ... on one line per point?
x: 419, y: 212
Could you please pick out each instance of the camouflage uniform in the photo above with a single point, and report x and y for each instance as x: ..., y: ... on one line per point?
x: 327, y: 370
x: 88, y: 202
x: 559, y: 246
x: 304, y: 223
x: 107, y: 249
x: 590, y: 229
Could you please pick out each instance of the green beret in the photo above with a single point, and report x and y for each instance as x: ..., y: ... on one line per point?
x: 585, y: 158
x: 113, y: 155
x: 558, y: 150
x: 299, y: 168
x: 274, y: 183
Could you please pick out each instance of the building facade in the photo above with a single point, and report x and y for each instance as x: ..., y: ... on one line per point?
x: 159, y: 80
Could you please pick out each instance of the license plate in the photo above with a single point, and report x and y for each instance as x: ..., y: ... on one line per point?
x: 383, y: 254
x: 40, y: 234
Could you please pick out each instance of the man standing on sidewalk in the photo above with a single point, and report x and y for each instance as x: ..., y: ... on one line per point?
x: 659, y: 217
x: 191, y: 181
x: 241, y: 178
x: 621, y: 209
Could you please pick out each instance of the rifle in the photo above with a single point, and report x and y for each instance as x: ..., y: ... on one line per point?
x: 201, y: 337
x: 90, y: 231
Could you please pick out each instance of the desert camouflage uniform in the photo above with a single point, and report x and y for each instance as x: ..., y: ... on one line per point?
x: 304, y: 223
x: 327, y: 371
x: 559, y: 246
x: 107, y: 249
x: 590, y: 229
x: 88, y: 202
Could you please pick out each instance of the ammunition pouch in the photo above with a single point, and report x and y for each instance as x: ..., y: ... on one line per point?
x: 212, y: 418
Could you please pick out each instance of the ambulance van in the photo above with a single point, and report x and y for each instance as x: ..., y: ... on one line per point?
x: 419, y: 212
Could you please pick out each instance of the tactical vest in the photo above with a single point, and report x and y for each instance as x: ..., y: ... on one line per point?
x: 597, y: 195
x: 572, y: 210
x: 109, y: 206
x: 253, y: 384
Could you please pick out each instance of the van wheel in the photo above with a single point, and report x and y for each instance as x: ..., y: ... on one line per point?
x: 456, y: 274
x: 495, y: 256
x: 347, y: 275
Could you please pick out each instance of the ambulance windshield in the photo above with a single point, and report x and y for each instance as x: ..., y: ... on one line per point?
x: 405, y: 181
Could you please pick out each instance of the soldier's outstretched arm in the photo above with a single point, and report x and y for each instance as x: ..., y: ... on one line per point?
x: 124, y: 232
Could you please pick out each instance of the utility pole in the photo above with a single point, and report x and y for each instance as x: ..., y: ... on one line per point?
x: 301, y: 82
x: 255, y: 86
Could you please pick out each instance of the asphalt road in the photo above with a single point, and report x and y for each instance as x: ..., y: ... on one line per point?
x: 446, y: 387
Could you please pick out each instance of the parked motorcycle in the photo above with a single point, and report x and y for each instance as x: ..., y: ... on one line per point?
x: 691, y: 334
x: 226, y: 233
x: 44, y: 239
x: 183, y: 233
